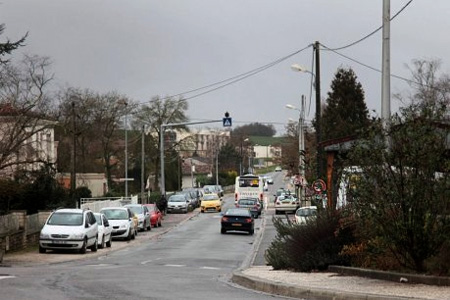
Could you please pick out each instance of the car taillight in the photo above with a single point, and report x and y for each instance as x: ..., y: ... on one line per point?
x: 235, y: 196
x: 261, y: 197
x: 248, y: 220
x: 237, y: 205
x: 224, y: 219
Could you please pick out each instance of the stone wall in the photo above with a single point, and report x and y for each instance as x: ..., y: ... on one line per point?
x: 18, y: 231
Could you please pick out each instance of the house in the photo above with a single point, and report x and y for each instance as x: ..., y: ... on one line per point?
x: 27, y: 141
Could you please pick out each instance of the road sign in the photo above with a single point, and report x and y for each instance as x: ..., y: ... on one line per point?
x: 227, y: 122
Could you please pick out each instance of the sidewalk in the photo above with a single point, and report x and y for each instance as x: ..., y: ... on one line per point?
x: 332, y: 286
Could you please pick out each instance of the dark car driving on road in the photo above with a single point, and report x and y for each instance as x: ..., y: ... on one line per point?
x: 239, y: 219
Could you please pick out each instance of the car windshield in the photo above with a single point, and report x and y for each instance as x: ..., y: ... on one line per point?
x: 116, y: 214
x: 177, y: 198
x: 151, y: 208
x: 66, y: 219
x: 210, y: 198
x: 136, y: 209
x: 98, y: 218
x: 306, y: 212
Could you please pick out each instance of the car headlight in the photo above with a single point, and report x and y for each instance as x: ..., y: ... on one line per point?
x: 44, y: 235
x: 78, y: 235
x: 123, y: 226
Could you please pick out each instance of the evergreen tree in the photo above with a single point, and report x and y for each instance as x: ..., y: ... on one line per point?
x: 345, y: 112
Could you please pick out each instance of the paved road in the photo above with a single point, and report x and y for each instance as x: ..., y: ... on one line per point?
x: 269, y: 231
x: 192, y: 261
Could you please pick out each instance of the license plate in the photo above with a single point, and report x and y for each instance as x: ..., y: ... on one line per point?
x: 59, y: 242
x: 236, y: 224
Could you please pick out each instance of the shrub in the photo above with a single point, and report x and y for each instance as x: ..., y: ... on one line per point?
x: 311, y: 246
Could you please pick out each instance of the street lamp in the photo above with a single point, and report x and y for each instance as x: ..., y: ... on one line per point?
x: 301, y: 135
x: 298, y: 68
x: 241, y: 162
x: 301, y: 143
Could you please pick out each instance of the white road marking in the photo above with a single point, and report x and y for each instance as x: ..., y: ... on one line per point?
x: 6, y: 277
x: 176, y: 266
x: 209, y: 268
x: 146, y: 262
x: 99, y: 265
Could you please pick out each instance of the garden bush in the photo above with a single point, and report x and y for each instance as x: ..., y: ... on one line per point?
x: 311, y: 246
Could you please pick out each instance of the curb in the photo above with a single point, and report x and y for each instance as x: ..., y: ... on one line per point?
x: 282, y: 289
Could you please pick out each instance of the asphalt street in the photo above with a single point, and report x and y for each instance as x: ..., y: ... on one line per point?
x: 191, y: 261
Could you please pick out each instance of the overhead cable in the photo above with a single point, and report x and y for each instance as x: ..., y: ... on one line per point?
x: 373, y: 32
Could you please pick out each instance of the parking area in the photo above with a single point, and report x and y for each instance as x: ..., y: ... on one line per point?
x: 31, y: 256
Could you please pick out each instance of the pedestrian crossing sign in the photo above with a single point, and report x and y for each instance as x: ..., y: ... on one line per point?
x: 226, y: 122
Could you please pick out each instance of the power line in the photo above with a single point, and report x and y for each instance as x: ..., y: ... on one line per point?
x: 409, y: 81
x: 373, y: 32
x: 226, y: 82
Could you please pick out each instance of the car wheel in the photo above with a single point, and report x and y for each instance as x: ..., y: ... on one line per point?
x: 133, y: 236
x: 42, y: 250
x: 95, y: 246
x: 159, y: 224
x: 129, y: 234
x: 202, y: 211
x: 83, y: 247
x: 149, y: 227
x: 223, y: 231
x: 102, y: 244
x: 251, y: 232
x: 108, y: 243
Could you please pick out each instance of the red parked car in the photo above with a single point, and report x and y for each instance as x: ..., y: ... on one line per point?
x: 155, y: 215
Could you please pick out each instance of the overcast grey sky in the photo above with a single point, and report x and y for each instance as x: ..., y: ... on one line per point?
x: 144, y: 48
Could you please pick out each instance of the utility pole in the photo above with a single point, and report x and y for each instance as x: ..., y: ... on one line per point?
x: 318, y: 110
x: 386, y: 66
x: 142, y: 165
x: 73, y: 175
x: 126, y: 155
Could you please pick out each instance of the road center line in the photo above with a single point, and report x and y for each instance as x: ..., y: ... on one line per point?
x: 176, y: 266
x: 209, y: 268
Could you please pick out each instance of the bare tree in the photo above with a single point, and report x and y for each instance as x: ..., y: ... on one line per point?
x: 158, y: 112
x: 97, y: 130
x: 24, y: 107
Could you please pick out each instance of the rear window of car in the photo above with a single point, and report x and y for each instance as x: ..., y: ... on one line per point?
x: 66, y: 219
x: 238, y: 212
x: 247, y: 202
x: 306, y: 212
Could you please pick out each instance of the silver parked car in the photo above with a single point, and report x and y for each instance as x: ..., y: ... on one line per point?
x: 143, y: 215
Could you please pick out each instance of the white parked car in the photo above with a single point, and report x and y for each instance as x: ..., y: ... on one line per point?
x: 304, y: 213
x: 121, y: 220
x: 143, y: 215
x: 104, y: 231
x: 68, y: 229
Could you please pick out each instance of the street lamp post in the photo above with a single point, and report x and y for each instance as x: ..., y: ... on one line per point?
x: 298, y: 68
x: 301, y: 142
